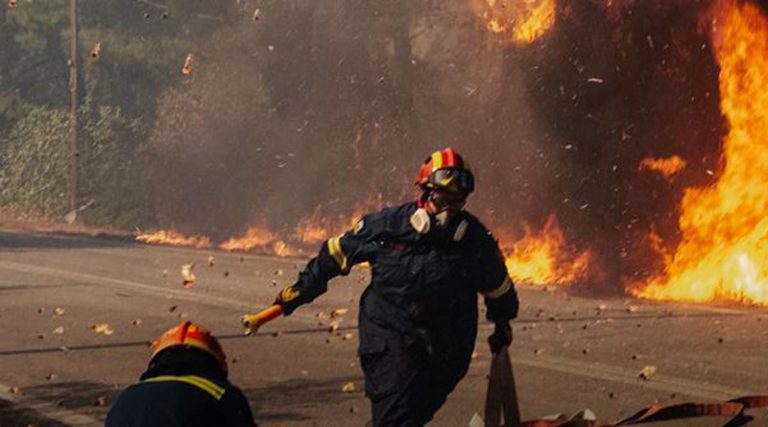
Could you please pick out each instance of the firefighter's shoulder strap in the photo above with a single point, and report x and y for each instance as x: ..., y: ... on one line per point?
x: 204, y: 384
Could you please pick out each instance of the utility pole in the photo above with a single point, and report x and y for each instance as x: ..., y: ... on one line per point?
x: 74, y: 154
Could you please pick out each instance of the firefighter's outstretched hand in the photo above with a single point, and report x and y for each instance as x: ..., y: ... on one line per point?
x: 501, y: 337
x: 288, y: 298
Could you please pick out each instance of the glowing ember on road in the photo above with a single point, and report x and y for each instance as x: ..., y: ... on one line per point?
x: 723, y: 255
x: 255, y: 238
x: 171, y: 237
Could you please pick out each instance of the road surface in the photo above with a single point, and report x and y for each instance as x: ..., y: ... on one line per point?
x: 569, y: 352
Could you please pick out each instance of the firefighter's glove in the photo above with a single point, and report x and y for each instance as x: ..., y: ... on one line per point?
x: 288, y: 298
x: 501, y: 337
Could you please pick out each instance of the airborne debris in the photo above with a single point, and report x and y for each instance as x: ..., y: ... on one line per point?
x: 102, y: 328
x: 632, y: 309
x: 187, y: 68
x: 211, y: 261
x: 348, y: 337
x: 647, y: 372
x: 11, y: 4
x: 58, y: 331
x: 172, y: 308
x: 339, y: 312
x: 58, y: 311
x: 538, y: 351
x: 189, y: 277
x: 595, y: 80
x: 256, y: 15
x: 96, y: 50
x: 136, y: 322
x: 14, y: 390
x: 51, y: 376
x: 40, y: 310
x: 348, y: 387
x: 100, y: 401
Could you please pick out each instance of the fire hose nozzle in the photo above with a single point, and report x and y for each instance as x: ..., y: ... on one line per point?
x: 252, y: 322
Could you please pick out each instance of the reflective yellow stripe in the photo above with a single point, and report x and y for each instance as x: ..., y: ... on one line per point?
x: 334, y: 247
x: 505, y: 286
x: 204, y: 384
x: 437, y: 160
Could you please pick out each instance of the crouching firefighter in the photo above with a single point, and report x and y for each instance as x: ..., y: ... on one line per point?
x: 418, y: 316
x: 185, y: 385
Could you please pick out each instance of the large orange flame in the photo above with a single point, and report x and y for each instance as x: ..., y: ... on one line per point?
x: 723, y: 254
x: 174, y: 238
x: 523, y: 20
x: 544, y: 258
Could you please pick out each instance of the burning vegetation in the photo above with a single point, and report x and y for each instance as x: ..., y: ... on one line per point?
x: 617, y: 144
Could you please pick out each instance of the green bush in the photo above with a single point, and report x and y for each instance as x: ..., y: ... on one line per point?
x: 34, y: 168
x: 35, y: 165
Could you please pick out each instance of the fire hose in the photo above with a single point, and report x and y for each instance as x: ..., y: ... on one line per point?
x: 501, y: 399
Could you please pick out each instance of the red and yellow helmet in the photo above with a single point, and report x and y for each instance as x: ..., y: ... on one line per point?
x: 446, y: 170
x: 190, y: 335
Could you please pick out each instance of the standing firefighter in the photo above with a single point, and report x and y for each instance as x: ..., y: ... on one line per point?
x: 185, y: 385
x: 418, y: 316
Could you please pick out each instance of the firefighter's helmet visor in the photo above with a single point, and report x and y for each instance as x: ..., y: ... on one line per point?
x: 453, y: 180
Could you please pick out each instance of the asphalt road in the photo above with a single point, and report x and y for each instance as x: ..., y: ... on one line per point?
x: 569, y: 352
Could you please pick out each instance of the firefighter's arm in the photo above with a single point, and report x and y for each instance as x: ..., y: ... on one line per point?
x: 336, y: 257
x: 502, y: 303
x: 495, y: 285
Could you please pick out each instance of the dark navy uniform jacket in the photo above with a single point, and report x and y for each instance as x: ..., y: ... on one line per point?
x: 424, y: 287
x: 182, y: 390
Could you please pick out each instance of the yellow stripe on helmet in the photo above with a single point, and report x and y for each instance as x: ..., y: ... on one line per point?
x: 437, y: 160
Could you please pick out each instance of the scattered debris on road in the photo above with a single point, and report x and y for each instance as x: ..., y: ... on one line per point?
x: 102, y: 328
x: 647, y: 372
x: 188, y: 275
